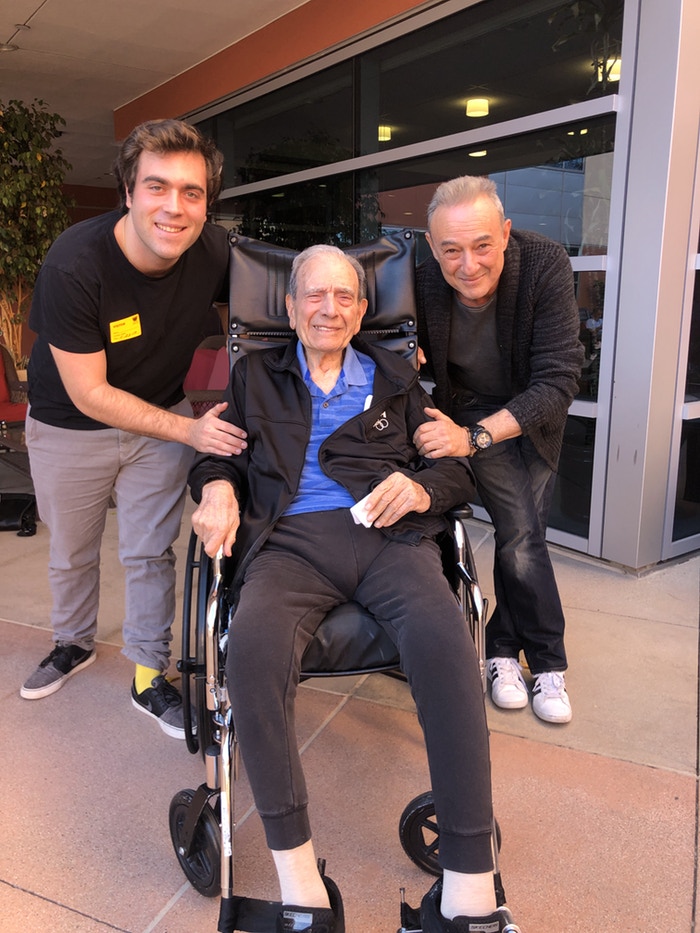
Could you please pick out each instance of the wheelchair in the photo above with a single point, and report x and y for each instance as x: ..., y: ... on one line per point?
x: 348, y: 642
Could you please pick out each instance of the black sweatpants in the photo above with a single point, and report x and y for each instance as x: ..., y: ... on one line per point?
x: 311, y: 563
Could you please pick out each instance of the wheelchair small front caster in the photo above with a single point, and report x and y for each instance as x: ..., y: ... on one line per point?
x: 202, y: 864
x: 420, y: 835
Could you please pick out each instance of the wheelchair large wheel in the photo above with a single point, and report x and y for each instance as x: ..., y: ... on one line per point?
x: 197, y: 583
x: 205, y: 724
x: 420, y: 835
x: 202, y: 866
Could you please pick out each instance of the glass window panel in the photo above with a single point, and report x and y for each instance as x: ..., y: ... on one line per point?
x: 300, y: 126
x: 571, y: 502
x: 692, y: 385
x: 556, y: 181
x: 590, y: 294
x: 297, y: 216
x: 522, y: 58
x: 567, y: 199
x: 686, y: 519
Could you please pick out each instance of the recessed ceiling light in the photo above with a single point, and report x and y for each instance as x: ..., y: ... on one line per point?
x: 477, y: 107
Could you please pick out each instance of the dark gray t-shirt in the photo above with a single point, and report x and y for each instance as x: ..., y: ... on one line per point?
x: 473, y: 360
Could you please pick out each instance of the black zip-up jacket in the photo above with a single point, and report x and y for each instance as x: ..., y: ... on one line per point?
x: 267, y: 397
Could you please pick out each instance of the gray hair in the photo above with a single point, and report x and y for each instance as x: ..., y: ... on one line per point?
x: 311, y: 252
x: 465, y: 190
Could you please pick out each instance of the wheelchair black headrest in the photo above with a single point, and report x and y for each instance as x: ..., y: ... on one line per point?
x: 259, y: 280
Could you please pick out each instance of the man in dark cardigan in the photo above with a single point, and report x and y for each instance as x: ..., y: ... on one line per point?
x: 499, y: 326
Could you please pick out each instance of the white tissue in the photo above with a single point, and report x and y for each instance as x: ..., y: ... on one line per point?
x: 359, y: 512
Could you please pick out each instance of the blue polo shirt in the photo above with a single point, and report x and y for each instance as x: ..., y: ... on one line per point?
x: 351, y: 395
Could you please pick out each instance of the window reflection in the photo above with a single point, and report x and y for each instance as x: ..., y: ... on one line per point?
x: 590, y: 294
x: 296, y: 216
x: 686, y: 519
x: 521, y: 58
x: 571, y: 502
x: 692, y: 385
x: 300, y: 126
x: 566, y: 197
x: 555, y: 181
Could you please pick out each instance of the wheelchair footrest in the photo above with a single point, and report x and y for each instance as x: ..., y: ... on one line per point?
x: 247, y: 914
x: 410, y: 916
x: 410, y: 920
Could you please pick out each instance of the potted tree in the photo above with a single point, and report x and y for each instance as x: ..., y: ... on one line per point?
x: 33, y: 209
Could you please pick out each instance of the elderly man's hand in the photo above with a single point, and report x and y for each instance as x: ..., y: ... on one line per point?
x: 393, y: 498
x: 217, y: 517
x: 441, y: 437
x: 211, y: 435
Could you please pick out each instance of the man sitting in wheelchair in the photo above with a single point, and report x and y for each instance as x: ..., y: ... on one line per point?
x: 331, y: 502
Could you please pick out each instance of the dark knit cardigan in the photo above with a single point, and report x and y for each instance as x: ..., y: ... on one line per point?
x: 537, y: 323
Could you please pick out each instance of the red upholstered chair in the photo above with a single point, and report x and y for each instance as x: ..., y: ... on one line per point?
x: 13, y: 398
x: 208, y: 374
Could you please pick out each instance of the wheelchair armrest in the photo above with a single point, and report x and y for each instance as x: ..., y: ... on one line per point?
x: 460, y: 513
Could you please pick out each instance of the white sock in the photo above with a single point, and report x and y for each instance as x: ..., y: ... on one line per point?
x: 299, y: 878
x: 467, y: 895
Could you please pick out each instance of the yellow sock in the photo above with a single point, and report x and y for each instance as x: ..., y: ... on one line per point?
x: 144, y: 677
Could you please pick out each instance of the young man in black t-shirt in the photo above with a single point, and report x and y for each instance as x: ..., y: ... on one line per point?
x: 120, y: 305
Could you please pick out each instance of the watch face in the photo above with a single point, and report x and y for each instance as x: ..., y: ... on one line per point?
x: 482, y: 439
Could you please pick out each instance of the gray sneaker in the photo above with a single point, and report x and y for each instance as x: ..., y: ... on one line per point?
x: 163, y: 702
x: 64, y: 661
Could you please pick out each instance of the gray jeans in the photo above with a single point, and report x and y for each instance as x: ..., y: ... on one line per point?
x: 75, y: 473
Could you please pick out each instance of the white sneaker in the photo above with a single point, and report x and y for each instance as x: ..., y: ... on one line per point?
x: 550, y: 700
x: 508, y: 689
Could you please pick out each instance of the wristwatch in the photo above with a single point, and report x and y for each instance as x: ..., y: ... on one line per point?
x: 481, y: 438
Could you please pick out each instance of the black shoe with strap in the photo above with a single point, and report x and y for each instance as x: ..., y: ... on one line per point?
x: 250, y: 915
x: 293, y: 919
x: 432, y: 920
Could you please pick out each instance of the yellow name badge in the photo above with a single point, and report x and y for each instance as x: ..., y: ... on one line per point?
x: 126, y: 329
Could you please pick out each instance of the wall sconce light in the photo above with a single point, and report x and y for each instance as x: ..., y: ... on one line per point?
x: 477, y: 107
x: 384, y: 134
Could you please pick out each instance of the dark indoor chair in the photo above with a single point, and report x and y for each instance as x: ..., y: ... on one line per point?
x: 349, y: 641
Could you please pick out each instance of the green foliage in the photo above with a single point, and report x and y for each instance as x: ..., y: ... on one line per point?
x: 599, y: 21
x: 33, y: 209
x: 587, y: 17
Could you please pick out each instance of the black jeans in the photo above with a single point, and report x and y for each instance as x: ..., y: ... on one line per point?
x: 311, y: 563
x: 515, y: 485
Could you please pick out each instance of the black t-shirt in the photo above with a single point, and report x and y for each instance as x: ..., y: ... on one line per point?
x: 88, y: 297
